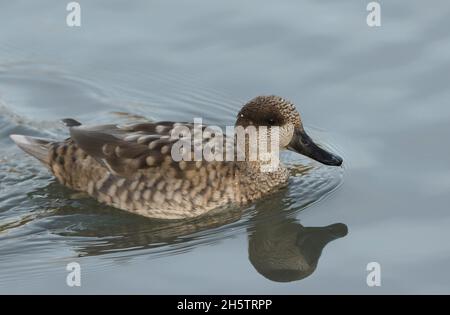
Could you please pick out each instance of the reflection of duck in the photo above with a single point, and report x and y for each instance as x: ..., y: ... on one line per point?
x: 95, y: 229
x: 132, y: 167
x: 286, y: 251
x: 279, y: 247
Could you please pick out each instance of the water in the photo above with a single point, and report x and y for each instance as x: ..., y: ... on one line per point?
x: 376, y: 96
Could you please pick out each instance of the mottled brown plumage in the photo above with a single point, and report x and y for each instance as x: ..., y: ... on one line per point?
x: 131, y: 167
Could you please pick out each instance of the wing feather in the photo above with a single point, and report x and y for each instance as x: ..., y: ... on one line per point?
x: 126, y: 149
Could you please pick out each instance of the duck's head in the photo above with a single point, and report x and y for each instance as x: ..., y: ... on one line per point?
x: 276, y: 111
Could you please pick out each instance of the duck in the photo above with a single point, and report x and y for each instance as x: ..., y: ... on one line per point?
x: 285, y: 251
x: 132, y: 167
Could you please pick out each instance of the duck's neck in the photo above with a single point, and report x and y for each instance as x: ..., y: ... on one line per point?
x: 255, y: 181
x: 257, y: 147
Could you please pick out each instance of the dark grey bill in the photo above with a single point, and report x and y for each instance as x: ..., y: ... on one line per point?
x: 303, y: 144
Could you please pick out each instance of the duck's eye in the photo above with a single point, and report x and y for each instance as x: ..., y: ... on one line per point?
x: 271, y: 122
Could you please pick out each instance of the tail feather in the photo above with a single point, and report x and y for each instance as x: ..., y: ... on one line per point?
x: 36, y: 147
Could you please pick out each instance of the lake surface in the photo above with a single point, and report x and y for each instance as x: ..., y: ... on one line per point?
x: 379, y: 97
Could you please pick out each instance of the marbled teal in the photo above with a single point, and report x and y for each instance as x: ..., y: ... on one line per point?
x: 131, y: 167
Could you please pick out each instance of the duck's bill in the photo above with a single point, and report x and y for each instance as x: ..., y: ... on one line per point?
x: 303, y: 144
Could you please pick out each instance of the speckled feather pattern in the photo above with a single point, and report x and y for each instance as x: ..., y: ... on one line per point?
x: 130, y: 167
x: 163, y: 190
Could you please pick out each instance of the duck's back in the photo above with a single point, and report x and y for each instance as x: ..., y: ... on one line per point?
x: 143, y: 182
x: 131, y: 167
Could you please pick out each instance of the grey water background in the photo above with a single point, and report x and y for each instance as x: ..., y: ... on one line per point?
x: 377, y: 96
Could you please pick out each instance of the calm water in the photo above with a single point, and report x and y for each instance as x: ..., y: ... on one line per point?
x: 379, y: 97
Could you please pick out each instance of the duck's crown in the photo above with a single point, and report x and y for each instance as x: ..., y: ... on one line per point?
x: 269, y: 110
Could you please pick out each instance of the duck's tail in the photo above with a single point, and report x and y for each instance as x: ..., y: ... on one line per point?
x: 36, y: 147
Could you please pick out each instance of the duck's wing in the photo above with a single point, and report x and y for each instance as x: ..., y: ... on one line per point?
x: 125, y: 149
